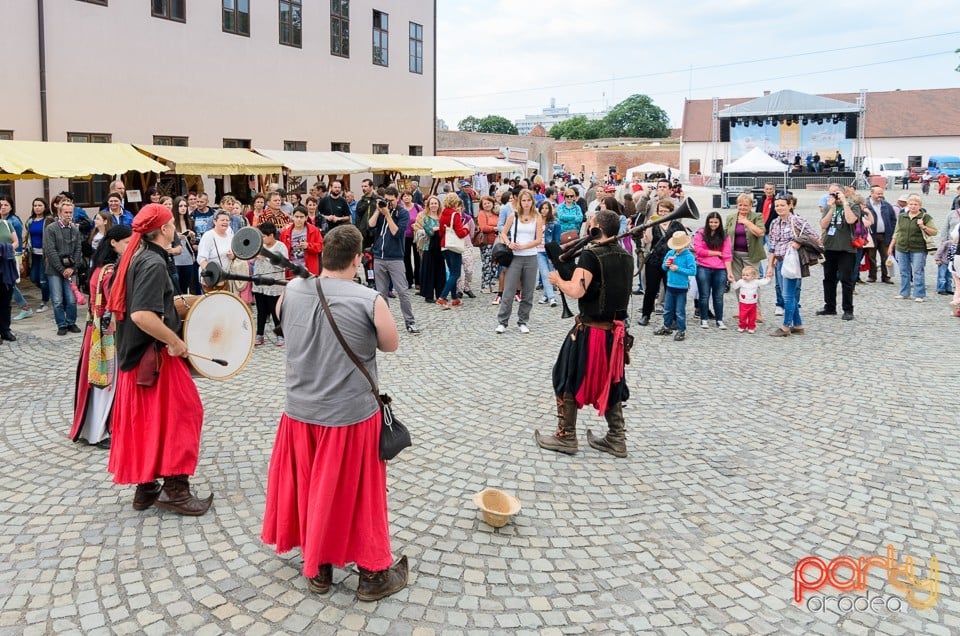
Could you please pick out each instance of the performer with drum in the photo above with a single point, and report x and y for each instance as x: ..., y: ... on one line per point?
x: 157, y: 414
x: 590, y: 366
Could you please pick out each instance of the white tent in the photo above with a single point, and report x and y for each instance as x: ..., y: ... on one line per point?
x: 756, y: 161
x: 649, y: 168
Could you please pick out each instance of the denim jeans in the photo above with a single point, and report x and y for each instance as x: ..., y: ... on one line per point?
x: 18, y: 298
x: 545, y: 267
x: 911, y: 270
x: 39, y: 277
x: 944, y: 278
x: 675, y: 309
x: 454, y: 262
x: 64, y: 302
x: 711, y: 282
x: 791, y: 299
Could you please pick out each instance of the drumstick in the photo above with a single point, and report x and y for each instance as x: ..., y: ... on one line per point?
x: 219, y: 361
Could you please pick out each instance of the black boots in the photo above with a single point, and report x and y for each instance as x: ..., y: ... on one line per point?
x: 145, y: 495
x: 320, y: 584
x: 615, y: 440
x: 175, y: 496
x: 565, y: 439
x: 376, y: 585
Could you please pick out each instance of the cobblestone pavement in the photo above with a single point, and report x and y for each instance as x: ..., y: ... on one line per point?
x: 746, y: 455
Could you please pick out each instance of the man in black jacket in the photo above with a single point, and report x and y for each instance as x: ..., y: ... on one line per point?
x: 884, y: 222
x: 366, y: 206
x: 333, y: 208
x: 61, y: 253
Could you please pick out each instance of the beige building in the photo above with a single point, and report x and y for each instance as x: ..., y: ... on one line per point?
x: 278, y: 74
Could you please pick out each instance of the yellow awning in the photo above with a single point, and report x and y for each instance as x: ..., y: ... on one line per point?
x: 307, y: 163
x: 404, y: 164
x: 485, y: 164
x: 212, y: 161
x: 443, y: 167
x: 59, y: 159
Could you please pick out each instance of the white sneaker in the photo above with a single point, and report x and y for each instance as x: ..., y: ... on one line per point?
x: 501, y: 328
x: 703, y: 323
x: 543, y: 301
x: 721, y: 326
x: 42, y: 308
x: 740, y: 330
x: 524, y: 329
x: 778, y: 311
x: 553, y: 302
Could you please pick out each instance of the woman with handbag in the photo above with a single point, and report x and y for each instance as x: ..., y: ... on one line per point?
x: 487, y: 220
x: 96, y: 370
x: 523, y: 233
x: 784, y: 232
x: 432, y: 268
x: 452, y: 231
x: 909, y: 244
x: 327, y: 482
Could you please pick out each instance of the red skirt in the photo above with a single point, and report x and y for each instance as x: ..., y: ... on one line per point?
x: 156, y: 430
x: 327, y: 494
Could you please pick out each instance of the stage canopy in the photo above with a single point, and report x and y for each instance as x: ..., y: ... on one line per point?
x: 212, y: 161
x: 756, y: 161
x: 788, y: 103
x: 307, y: 163
x: 59, y: 159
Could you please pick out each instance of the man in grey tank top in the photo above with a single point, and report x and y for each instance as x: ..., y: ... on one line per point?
x: 330, y: 429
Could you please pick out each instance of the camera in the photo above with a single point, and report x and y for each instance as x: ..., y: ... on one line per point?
x: 381, y: 203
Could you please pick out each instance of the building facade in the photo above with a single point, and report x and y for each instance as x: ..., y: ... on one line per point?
x: 549, y: 116
x: 275, y: 74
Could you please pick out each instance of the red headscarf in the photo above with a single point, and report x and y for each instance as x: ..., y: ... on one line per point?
x: 151, y: 217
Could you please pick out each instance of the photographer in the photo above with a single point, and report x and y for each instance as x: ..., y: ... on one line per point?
x: 838, y: 218
x: 61, y: 251
x: 389, y: 223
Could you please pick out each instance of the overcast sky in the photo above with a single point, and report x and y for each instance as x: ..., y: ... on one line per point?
x: 509, y: 57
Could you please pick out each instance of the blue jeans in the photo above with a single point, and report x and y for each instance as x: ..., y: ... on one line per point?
x: 39, y: 277
x: 454, y: 263
x: 18, y: 298
x: 944, y: 278
x: 911, y: 270
x: 791, y: 299
x: 778, y: 283
x: 675, y: 309
x: 711, y: 282
x: 64, y: 302
x: 545, y: 267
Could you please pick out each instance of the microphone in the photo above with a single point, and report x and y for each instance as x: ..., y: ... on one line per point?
x: 212, y: 275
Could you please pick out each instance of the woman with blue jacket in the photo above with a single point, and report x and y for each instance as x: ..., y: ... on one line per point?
x: 569, y: 214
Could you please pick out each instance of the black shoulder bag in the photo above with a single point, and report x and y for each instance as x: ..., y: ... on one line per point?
x: 394, y: 436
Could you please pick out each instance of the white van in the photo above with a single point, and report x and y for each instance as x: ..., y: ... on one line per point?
x: 888, y: 167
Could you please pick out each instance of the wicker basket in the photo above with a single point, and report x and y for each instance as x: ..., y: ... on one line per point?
x: 496, y: 506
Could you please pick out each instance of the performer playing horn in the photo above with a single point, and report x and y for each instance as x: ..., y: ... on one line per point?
x: 590, y: 366
x: 157, y: 414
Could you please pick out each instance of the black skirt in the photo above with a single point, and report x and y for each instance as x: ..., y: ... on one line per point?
x: 570, y: 368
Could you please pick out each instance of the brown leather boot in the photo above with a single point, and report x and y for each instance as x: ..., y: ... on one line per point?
x: 565, y: 439
x: 376, y: 585
x: 175, y: 496
x: 146, y: 494
x: 320, y: 584
x: 615, y: 440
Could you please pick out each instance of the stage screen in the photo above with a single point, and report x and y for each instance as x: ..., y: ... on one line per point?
x: 783, y: 142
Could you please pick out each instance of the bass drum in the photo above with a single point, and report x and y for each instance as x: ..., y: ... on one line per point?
x: 219, y: 325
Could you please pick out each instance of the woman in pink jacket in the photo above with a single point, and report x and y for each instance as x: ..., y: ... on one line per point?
x: 714, y: 255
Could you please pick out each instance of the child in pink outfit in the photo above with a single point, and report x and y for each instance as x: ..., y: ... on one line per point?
x: 748, y: 295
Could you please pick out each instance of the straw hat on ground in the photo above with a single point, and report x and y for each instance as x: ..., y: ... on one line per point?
x: 496, y: 506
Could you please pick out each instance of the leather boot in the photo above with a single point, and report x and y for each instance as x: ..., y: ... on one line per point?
x: 565, y: 439
x: 615, y: 440
x: 320, y: 584
x: 145, y: 495
x: 376, y: 585
x: 176, y: 497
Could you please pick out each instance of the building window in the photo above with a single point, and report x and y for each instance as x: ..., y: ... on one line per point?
x: 168, y: 140
x: 291, y: 23
x: 236, y: 16
x: 381, y: 44
x: 339, y: 146
x: 416, y: 48
x: 236, y: 143
x: 295, y: 146
x: 381, y: 149
x: 92, y: 190
x: 415, y: 151
x: 169, y: 9
x: 340, y: 28
x: 6, y: 187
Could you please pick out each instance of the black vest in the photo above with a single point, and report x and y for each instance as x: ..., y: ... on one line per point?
x: 608, y: 295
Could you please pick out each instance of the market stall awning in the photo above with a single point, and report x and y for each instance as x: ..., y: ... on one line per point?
x: 212, y: 161
x: 302, y: 164
x: 404, y: 164
x: 443, y: 167
x: 485, y: 165
x: 59, y: 159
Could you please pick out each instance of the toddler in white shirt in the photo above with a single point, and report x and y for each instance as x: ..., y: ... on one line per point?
x: 748, y: 294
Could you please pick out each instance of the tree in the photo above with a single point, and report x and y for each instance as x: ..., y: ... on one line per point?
x: 493, y: 124
x: 637, y: 116
x: 579, y: 127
